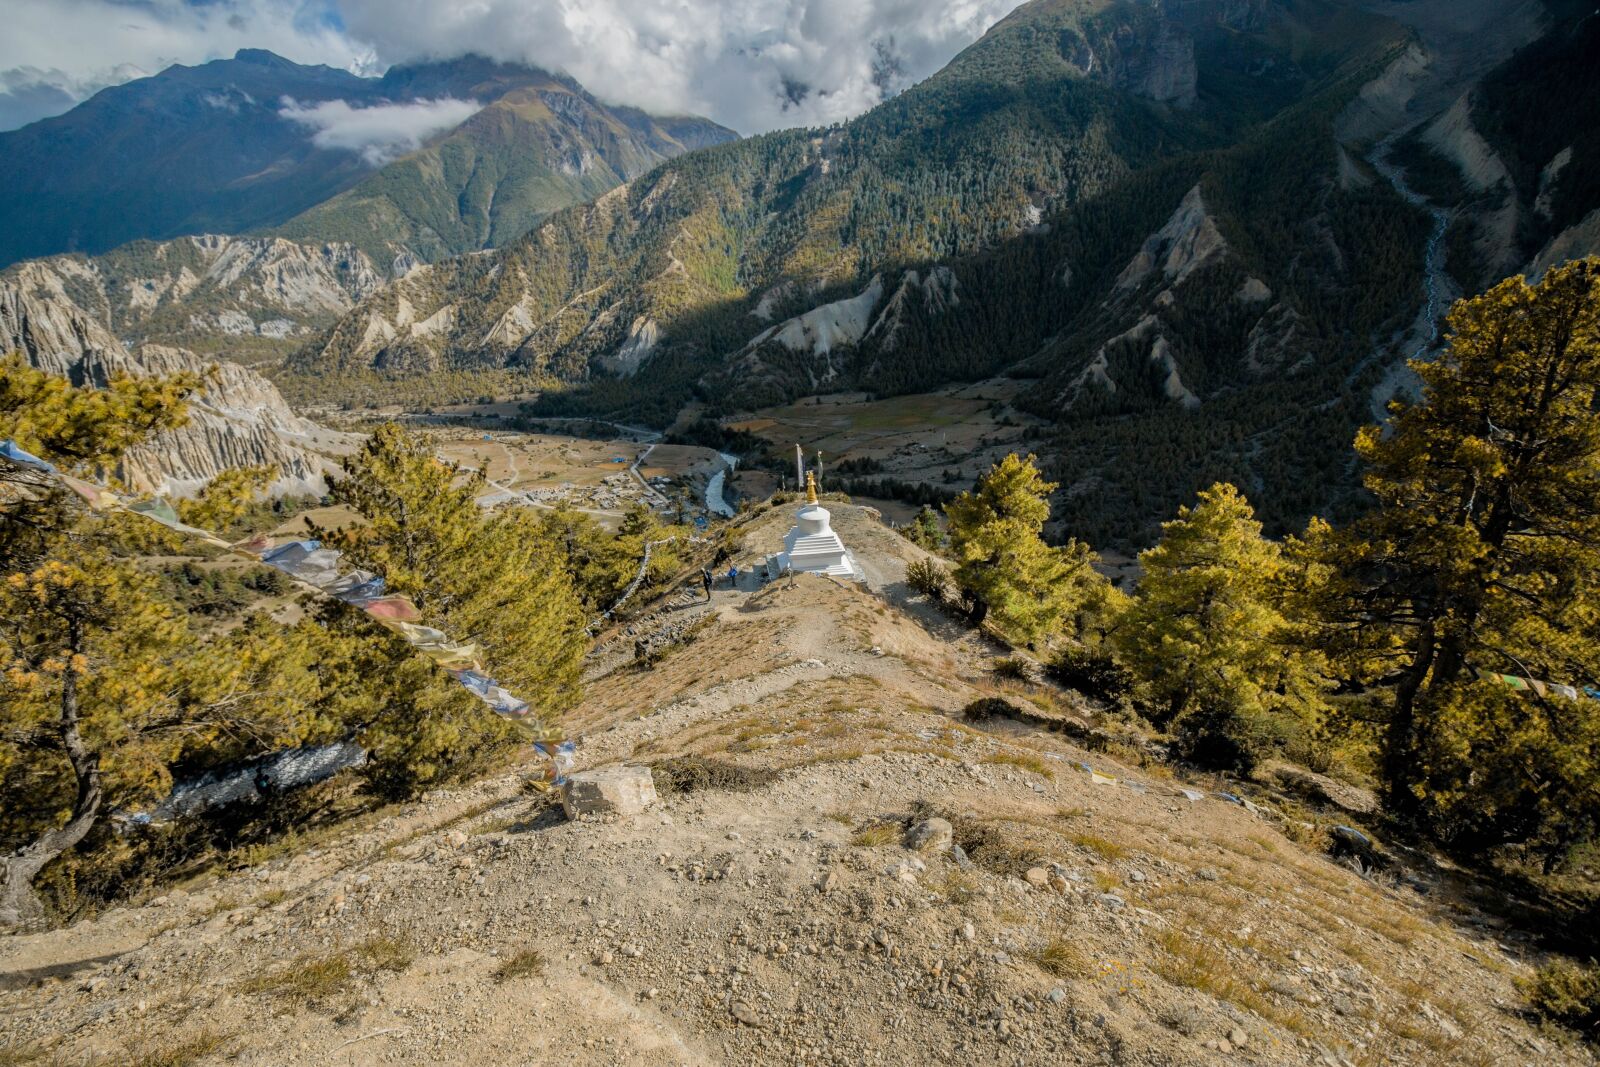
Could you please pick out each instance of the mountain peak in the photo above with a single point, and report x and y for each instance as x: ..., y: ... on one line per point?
x: 262, y: 57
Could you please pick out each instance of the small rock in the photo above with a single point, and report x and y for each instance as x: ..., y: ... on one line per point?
x: 1136, y: 876
x: 1057, y: 995
x: 1238, y: 1037
x: 744, y: 1014
x: 935, y: 835
x: 959, y: 854
x: 968, y: 932
x: 1224, y: 1047
x: 1112, y: 901
x: 829, y: 882
x: 1037, y: 877
x: 1206, y: 874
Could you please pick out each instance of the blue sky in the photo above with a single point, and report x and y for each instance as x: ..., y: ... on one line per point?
x: 752, y: 64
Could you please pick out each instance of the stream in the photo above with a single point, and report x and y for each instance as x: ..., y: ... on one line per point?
x: 716, y: 503
x: 1424, y: 329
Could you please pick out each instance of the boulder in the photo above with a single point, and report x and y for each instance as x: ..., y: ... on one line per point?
x: 935, y: 835
x: 619, y: 790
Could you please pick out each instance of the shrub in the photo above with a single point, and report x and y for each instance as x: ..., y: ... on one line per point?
x: 692, y: 774
x: 991, y: 708
x: 1093, y: 672
x: 927, y: 577
x: 1014, y: 668
x: 1228, y: 739
x: 1567, y: 992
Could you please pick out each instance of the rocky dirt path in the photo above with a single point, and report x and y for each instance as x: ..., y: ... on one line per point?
x: 773, y: 913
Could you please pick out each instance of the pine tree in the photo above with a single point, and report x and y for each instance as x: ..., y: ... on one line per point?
x: 924, y: 529
x: 1005, y: 571
x: 1481, y: 555
x: 1207, y: 636
x: 103, y: 685
x: 495, y: 579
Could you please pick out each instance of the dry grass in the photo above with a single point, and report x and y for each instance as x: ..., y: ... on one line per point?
x: 1025, y: 761
x: 1102, y: 846
x: 180, y: 1052
x: 1186, y: 961
x: 311, y: 979
x: 524, y: 963
x: 956, y: 887
x: 1058, y: 957
x: 876, y: 835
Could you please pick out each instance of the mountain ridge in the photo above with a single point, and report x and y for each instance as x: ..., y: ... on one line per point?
x: 211, y: 148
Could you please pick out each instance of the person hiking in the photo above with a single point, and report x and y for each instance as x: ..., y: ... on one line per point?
x: 705, y: 580
x: 733, y: 576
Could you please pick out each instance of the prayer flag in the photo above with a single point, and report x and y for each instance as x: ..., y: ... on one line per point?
x: 10, y: 450
x: 392, y: 611
x: 97, y: 498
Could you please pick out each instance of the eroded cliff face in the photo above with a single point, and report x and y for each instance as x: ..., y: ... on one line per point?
x: 205, y: 292
x: 239, y: 419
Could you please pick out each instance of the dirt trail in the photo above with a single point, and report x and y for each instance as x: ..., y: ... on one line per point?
x: 781, y: 921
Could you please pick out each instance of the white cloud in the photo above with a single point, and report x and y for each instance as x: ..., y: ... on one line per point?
x: 380, y: 132
x: 754, y: 65
x: 54, y: 53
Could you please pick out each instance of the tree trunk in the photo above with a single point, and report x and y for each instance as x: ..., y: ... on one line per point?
x: 1400, y: 741
x: 19, y: 904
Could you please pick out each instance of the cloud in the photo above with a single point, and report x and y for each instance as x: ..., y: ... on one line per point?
x: 380, y: 132
x: 754, y: 65
x: 54, y: 53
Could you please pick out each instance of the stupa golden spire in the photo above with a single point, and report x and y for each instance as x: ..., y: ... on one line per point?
x: 811, y: 487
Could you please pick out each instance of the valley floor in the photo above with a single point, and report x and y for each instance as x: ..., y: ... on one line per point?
x: 782, y: 921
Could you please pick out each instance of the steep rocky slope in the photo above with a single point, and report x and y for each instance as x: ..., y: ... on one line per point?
x: 1183, y: 220
x: 771, y: 913
x: 63, y: 314
x: 1053, y: 107
x: 245, y: 297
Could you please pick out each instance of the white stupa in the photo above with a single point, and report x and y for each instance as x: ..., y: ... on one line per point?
x: 811, y: 545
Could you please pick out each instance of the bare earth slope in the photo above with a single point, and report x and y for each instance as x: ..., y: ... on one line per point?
x: 763, y: 925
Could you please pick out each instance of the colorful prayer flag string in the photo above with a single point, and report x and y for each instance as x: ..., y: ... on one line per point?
x: 319, y: 568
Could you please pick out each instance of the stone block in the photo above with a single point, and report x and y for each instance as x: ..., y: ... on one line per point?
x: 622, y: 790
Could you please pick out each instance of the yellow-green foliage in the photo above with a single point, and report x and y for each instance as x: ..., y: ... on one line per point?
x: 495, y: 579
x: 1208, y: 638
x: 601, y: 563
x: 1481, y: 555
x: 104, y: 685
x: 226, y: 499
x: 1004, y: 568
x: 1568, y: 992
x: 76, y: 427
